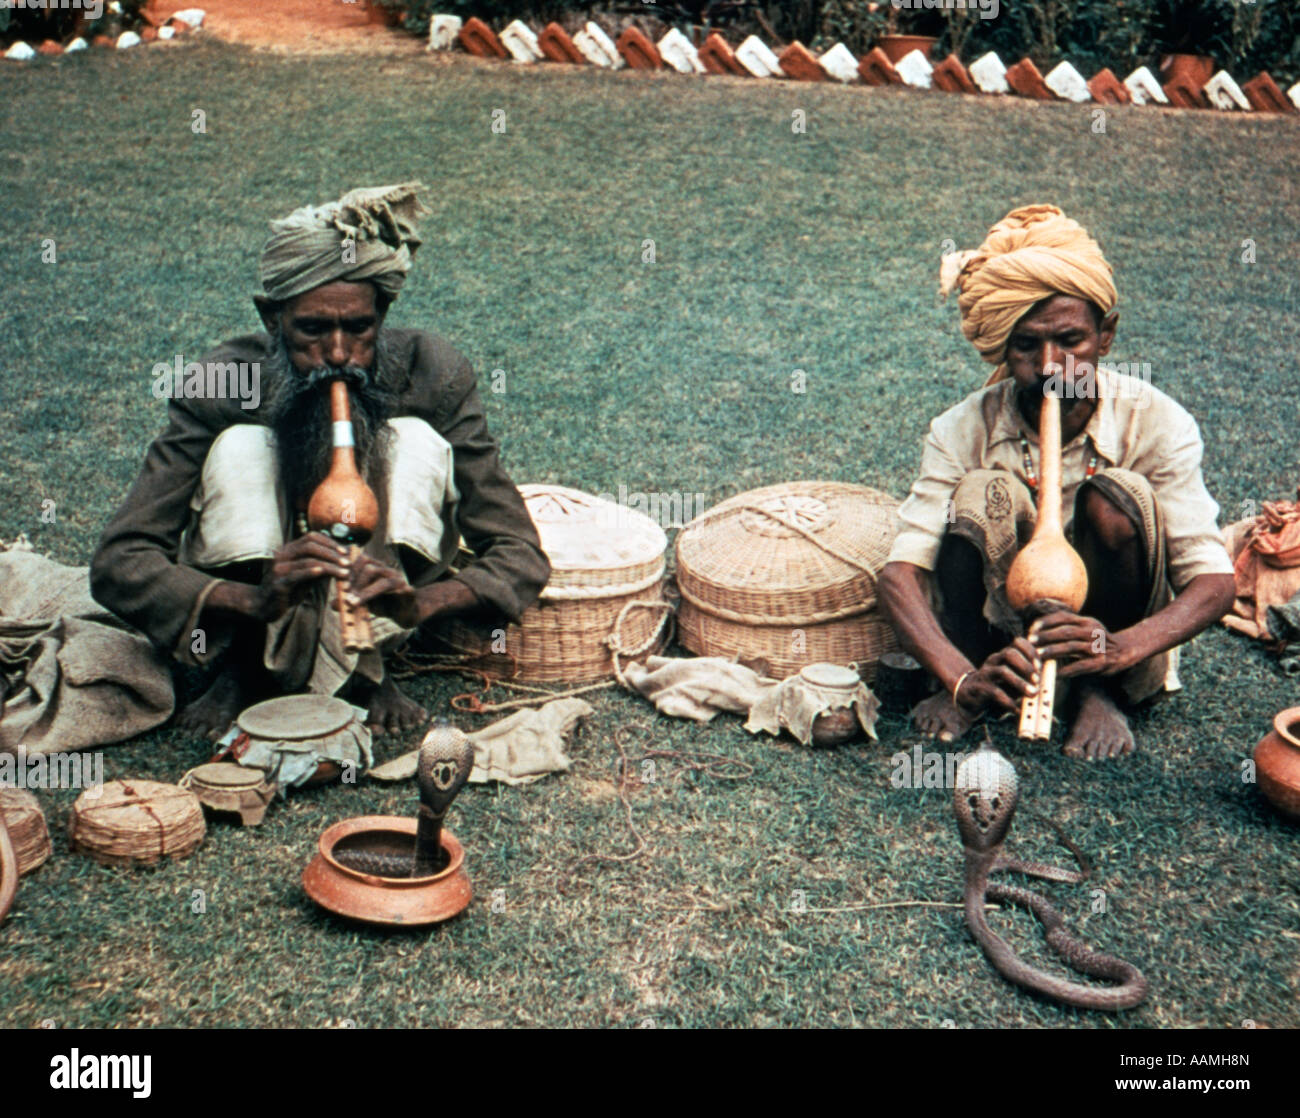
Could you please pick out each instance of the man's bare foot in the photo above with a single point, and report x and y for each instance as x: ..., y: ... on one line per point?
x: 391, y: 712
x: 210, y: 715
x: 940, y: 717
x: 1100, y: 730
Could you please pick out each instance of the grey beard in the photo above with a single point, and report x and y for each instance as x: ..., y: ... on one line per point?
x: 297, y: 409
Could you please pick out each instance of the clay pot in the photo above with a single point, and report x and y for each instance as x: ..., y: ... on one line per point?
x: 1196, y: 69
x: 388, y: 901
x: 1277, y: 763
x: 384, y: 17
x: 836, y: 727
x: 897, y: 46
x: 900, y: 682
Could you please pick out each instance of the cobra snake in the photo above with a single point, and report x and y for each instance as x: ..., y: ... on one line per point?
x: 446, y: 759
x: 984, y: 801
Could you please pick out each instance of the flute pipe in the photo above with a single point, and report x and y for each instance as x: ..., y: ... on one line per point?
x: 1049, y: 458
x: 358, y: 636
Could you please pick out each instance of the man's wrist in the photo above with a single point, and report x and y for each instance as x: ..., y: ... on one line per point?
x: 440, y: 599
x: 236, y: 597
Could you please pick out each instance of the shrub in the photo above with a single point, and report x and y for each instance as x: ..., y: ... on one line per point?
x: 35, y: 25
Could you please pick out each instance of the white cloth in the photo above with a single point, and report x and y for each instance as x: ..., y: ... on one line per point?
x: 698, y: 687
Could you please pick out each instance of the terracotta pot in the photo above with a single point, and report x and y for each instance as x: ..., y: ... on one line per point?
x: 388, y: 901
x: 1197, y: 69
x: 836, y: 727
x: 386, y: 17
x: 896, y: 46
x: 1277, y: 763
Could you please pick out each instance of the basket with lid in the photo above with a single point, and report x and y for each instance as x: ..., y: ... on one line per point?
x: 604, y: 558
x: 785, y: 576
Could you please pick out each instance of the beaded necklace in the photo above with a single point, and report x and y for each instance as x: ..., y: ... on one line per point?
x: 1029, y: 464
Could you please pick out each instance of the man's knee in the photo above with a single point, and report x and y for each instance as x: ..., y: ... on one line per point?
x: 1109, y: 524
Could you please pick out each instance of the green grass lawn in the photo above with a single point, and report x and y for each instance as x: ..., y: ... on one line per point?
x: 774, y: 252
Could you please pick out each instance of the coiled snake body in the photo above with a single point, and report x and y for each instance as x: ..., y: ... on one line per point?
x: 984, y: 801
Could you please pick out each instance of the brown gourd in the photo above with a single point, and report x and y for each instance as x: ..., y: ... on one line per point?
x: 344, y: 507
x: 1047, y: 571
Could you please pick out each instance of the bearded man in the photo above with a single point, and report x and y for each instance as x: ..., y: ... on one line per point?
x: 209, y: 554
x: 1038, y: 302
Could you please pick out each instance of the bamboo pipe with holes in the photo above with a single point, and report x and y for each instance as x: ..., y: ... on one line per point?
x: 344, y: 508
x: 1047, y: 571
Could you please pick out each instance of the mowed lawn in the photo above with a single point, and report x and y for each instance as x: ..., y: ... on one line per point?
x: 774, y: 252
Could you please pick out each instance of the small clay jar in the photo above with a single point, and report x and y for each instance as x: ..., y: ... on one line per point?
x: 1277, y: 763
x: 900, y: 682
x: 838, y: 725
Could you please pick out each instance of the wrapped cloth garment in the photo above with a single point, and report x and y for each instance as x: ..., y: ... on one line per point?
x: 238, y: 513
x: 698, y: 688
x: 1265, y: 550
x: 519, y: 749
x: 994, y: 510
x: 796, y: 703
x: 74, y: 676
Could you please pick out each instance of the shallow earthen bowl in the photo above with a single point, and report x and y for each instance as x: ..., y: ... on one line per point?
x: 409, y: 902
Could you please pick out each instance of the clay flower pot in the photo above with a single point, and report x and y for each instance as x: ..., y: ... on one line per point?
x: 1196, y: 69
x: 1277, y: 763
x: 390, y: 901
x: 385, y: 17
x: 897, y: 46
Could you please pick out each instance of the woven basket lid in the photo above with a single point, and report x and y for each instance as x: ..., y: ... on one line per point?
x: 295, y: 717
x: 226, y: 775
x: 136, y: 821
x: 802, y: 552
x: 597, y: 548
x: 25, y: 822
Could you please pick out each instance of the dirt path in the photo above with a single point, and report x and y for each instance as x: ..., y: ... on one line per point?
x: 295, y: 26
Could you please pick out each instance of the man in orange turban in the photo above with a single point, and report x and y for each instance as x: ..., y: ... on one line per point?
x: 1037, y: 301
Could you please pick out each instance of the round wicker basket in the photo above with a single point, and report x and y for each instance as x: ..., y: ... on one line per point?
x: 134, y: 822
x: 603, y: 557
x: 27, y: 830
x: 785, y: 576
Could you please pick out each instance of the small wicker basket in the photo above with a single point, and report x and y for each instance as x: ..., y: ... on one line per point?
x: 604, y: 557
x: 27, y: 830
x: 136, y: 822
x: 785, y: 576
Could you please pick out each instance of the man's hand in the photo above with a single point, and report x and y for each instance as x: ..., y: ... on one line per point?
x: 1081, y: 645
x: 1003, y: 679
x: 294, y: 567
x: 386, y: 591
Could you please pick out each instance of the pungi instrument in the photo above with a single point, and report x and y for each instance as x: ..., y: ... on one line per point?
x: 1047, y: 572
x: 344, y: 507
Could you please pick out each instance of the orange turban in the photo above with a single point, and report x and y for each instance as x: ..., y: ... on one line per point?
x: 1031, y: 254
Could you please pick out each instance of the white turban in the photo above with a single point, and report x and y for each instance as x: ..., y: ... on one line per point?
x: 1033, y: 253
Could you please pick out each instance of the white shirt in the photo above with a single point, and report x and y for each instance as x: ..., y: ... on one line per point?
x: 1134, y: 426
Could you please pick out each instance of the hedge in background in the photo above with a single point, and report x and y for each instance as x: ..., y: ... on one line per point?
x: 1244, y: 36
